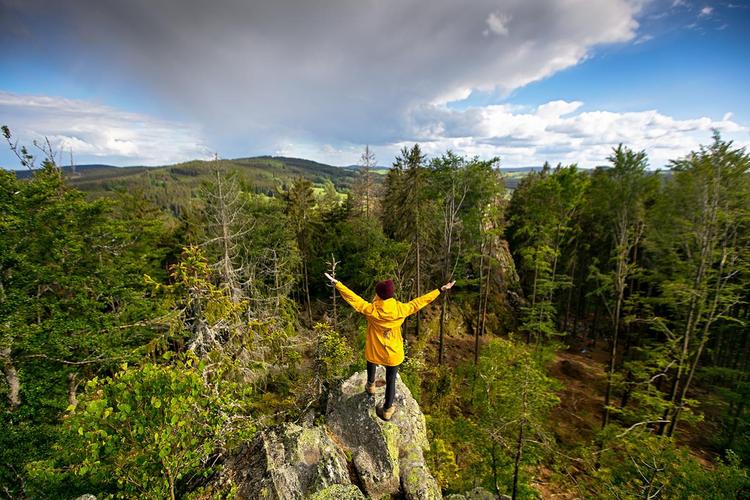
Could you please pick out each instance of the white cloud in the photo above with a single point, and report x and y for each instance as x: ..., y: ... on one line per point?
x: 98, y: 133
x: 555, y: 132
x: 556, y: 109
x: 498, y: 23
x: 643, y: 39
x: 706, y: 11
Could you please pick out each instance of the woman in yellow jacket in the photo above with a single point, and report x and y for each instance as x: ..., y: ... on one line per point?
x: 384, y: 344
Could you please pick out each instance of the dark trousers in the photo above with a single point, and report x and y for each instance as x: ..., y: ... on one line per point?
x: 390, y: 382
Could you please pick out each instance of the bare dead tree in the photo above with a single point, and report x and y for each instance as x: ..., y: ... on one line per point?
x: 227, y: 225
x: 23, y: 154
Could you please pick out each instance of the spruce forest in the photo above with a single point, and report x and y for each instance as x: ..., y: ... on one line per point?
x: 595, y: 345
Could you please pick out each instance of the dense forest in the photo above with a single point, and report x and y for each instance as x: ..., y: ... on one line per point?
x: 595, y: 345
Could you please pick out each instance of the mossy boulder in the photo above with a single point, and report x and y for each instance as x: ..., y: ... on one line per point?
x: 387, y: 456
x: 287, y: 462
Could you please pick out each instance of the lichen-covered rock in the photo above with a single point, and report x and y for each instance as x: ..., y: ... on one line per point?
x: 287, y: 462
x: 338, y: 492
x: 387, y: 456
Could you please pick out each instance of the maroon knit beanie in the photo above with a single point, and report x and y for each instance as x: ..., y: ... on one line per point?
x: 384, y: 289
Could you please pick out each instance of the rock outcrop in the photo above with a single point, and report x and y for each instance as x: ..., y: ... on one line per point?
x: 387, y: 456
x: 355, y: 455
x: 506, y: 295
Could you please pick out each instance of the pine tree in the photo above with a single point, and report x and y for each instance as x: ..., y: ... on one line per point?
x: 300, y: 204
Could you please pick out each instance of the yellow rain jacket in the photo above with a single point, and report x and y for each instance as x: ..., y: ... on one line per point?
x: 384, y: 344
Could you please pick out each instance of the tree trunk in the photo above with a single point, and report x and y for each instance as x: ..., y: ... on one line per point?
x: 479, y: 304
x: 612, y: 358
x: 594, y: 331
x: 620, y: 278
x: 494, y: 469
x: 686, y: 385
x: 307, y: 289
x: 441, y: 348
x: 696, y: 308
x: 418, y: 317
x: 11, y: 378
x: 533, y: 293
x: 517, y: 461
x: 570, y: 300
x: 72, y: 388
x: 579, y: 312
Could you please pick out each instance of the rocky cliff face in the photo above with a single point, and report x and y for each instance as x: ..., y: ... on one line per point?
x: 353, y: 455
x: 506, y: 296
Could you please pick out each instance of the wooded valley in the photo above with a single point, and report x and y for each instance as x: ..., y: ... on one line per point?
x: 595, y: 345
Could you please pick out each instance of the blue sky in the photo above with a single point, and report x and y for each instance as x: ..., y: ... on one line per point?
x: 143, y: 82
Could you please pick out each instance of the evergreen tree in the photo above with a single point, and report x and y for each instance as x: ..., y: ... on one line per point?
x: 300, y: 207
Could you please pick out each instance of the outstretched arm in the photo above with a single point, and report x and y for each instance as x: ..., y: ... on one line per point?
x: 358, y: 303
x: 415, y: 305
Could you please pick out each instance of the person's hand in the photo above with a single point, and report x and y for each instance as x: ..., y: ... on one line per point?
x: 447, y: 286
x: 333, y: 280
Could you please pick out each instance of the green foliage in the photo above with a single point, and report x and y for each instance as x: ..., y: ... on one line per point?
x: 459, y: 462
x: 172, y: 187
x: 442, y: 463
x: 145, y: 432
x: 513, y: 396
x: 72, y: 299
x: 642, y: 465
x: 208, y: 320
x: 366, y: 255
x: 411, y: 371
x: 702, y: 250
x: 332, y: 353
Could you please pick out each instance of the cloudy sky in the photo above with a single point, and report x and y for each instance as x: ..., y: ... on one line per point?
x: 134, y: 82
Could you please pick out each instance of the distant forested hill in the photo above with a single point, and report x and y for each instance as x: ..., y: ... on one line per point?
x: 260, y: 174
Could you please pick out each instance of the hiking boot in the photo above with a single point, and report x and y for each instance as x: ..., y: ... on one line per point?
x: 370, y: 388
x: 385, y: 414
